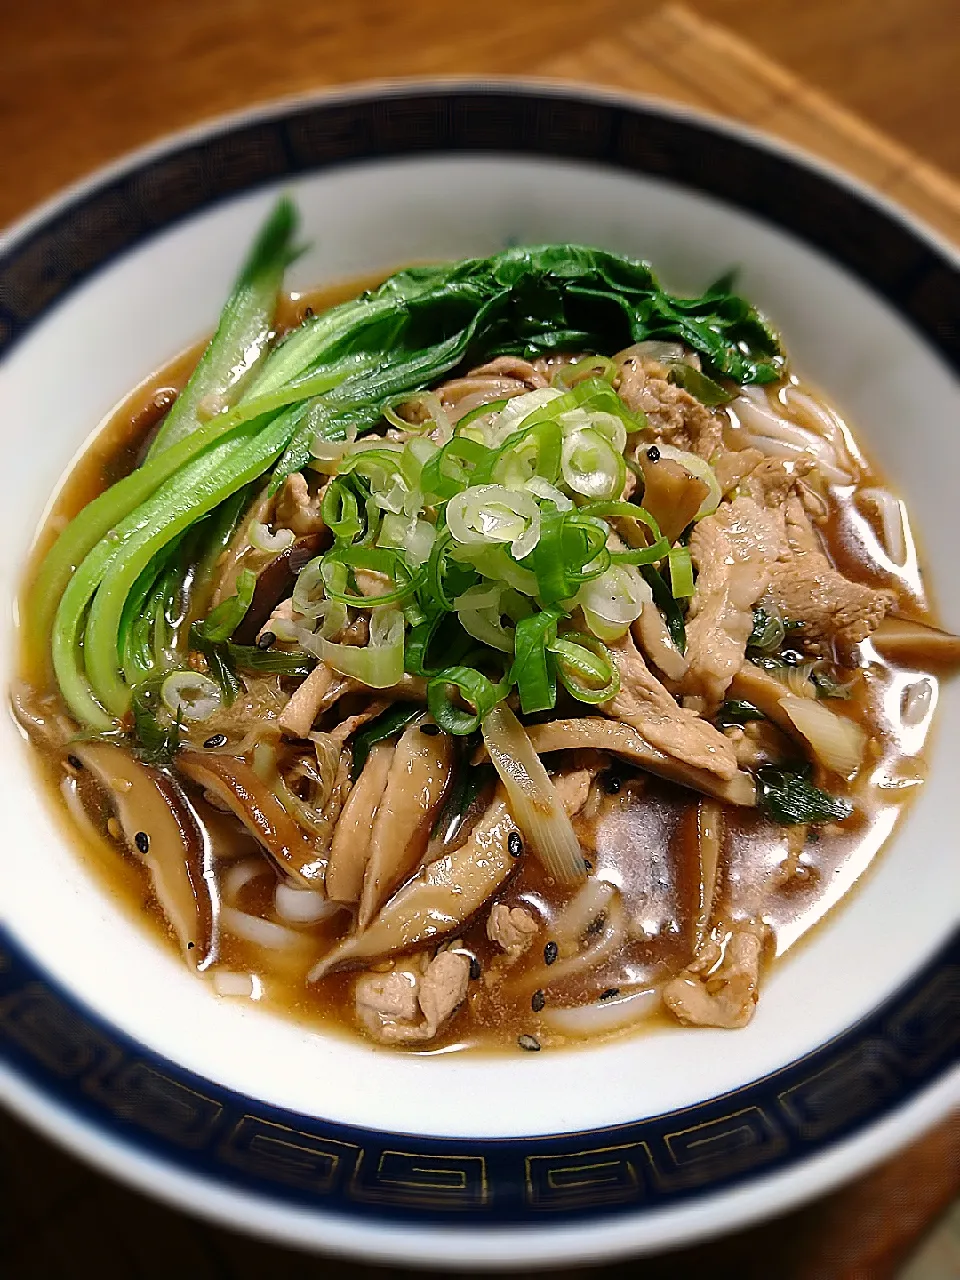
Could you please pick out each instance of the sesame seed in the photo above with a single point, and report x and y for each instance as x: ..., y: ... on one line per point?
x: 190, y: 946
x: 530, y: 1043
x: 74, y: 762
x: 431, y: 730
x: 550, y: 952
x: 266, y: 640
x: 142, y: 841
x: 475, y: 969
x: 612, y: 784
x: 515, y: 844
x: 610, y: 993
x: 537, y: 1001
x: 218, y: 740
x: 307, y: 313
x: 653, y: 453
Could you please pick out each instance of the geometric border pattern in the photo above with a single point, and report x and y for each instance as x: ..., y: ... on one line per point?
x: 122, y: 211
x: 100, y: 1074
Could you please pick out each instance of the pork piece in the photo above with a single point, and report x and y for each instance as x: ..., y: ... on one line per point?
x: 674, y: 415
x: 441, y: 897
x: 460, y: 395
x: 731, y: 466
x: 371, y: 583
x: 804, y: 584
x: 419, y: 775
x: 513, y: 929
x: 808, y: 589
x: 733, y: 554
x: 410, y: 1003
x: 512, y: 367
x: 352, y: 723
x: 651, y: 632
x: 573, y: 789
x: 350, y: 848
x: 721, y: 987
x: 297, y: 508
x: 307, y: 701
x: 645, y: 704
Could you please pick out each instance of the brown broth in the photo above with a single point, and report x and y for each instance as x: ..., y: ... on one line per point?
x: 641, y: 837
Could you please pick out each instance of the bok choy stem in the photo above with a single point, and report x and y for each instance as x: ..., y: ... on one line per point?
x: 243, y: 331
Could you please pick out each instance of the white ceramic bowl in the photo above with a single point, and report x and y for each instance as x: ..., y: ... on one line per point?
x: 112, y: 1048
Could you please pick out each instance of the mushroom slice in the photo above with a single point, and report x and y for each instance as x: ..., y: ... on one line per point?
x: 350, y: 849
x: 160, y: 827
x: 233, y: 782
x: 419, y: 775
x: 622, y: 740
x: 916, y: 644
x: 441, y: 897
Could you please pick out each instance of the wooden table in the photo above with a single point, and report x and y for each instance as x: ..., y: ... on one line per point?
x: 82, y: 81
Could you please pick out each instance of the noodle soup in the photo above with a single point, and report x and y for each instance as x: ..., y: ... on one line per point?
x: 511, y: 654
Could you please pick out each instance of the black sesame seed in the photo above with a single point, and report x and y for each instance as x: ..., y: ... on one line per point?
x: 791, y: 657
x: 74, y: 762
x: 612, y: 784
x: 307, y: 312
x: 266, y: 640
x: 550, y: 953
x: 218, y: 740
x: 530, y: 1043
x: 609, y: 993
x: 537, y: 1001
x: 515, y: 844
x: 653, y: 453
x: 588, y: 864
x: 189, y: 946
x: 475, y: 969
x: 142, y: 841
x: 431, y: 730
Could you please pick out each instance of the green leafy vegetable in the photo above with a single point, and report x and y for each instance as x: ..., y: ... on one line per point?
x: 221, y: 622
x: 789, y: 797
x: 157, y: 734
x: 698, y: 384
x: 768, y: 632
x: 113, y: 592
x: 387, y: 725
x: 242, y: 333
x: 737, y: 711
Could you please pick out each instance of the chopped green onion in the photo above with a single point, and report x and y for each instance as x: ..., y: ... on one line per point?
x: 340, y: 511
x: 381, y: 560
x: 533, y: 670
x: 450, y: 470
x: 475, y: 689
x: 190, y: 695
x: 490, y: 513
x: 567, y: 376
x: 221, y: 622
x: 379, y: 663
x: 586, y: 667
x: 681, y: 571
